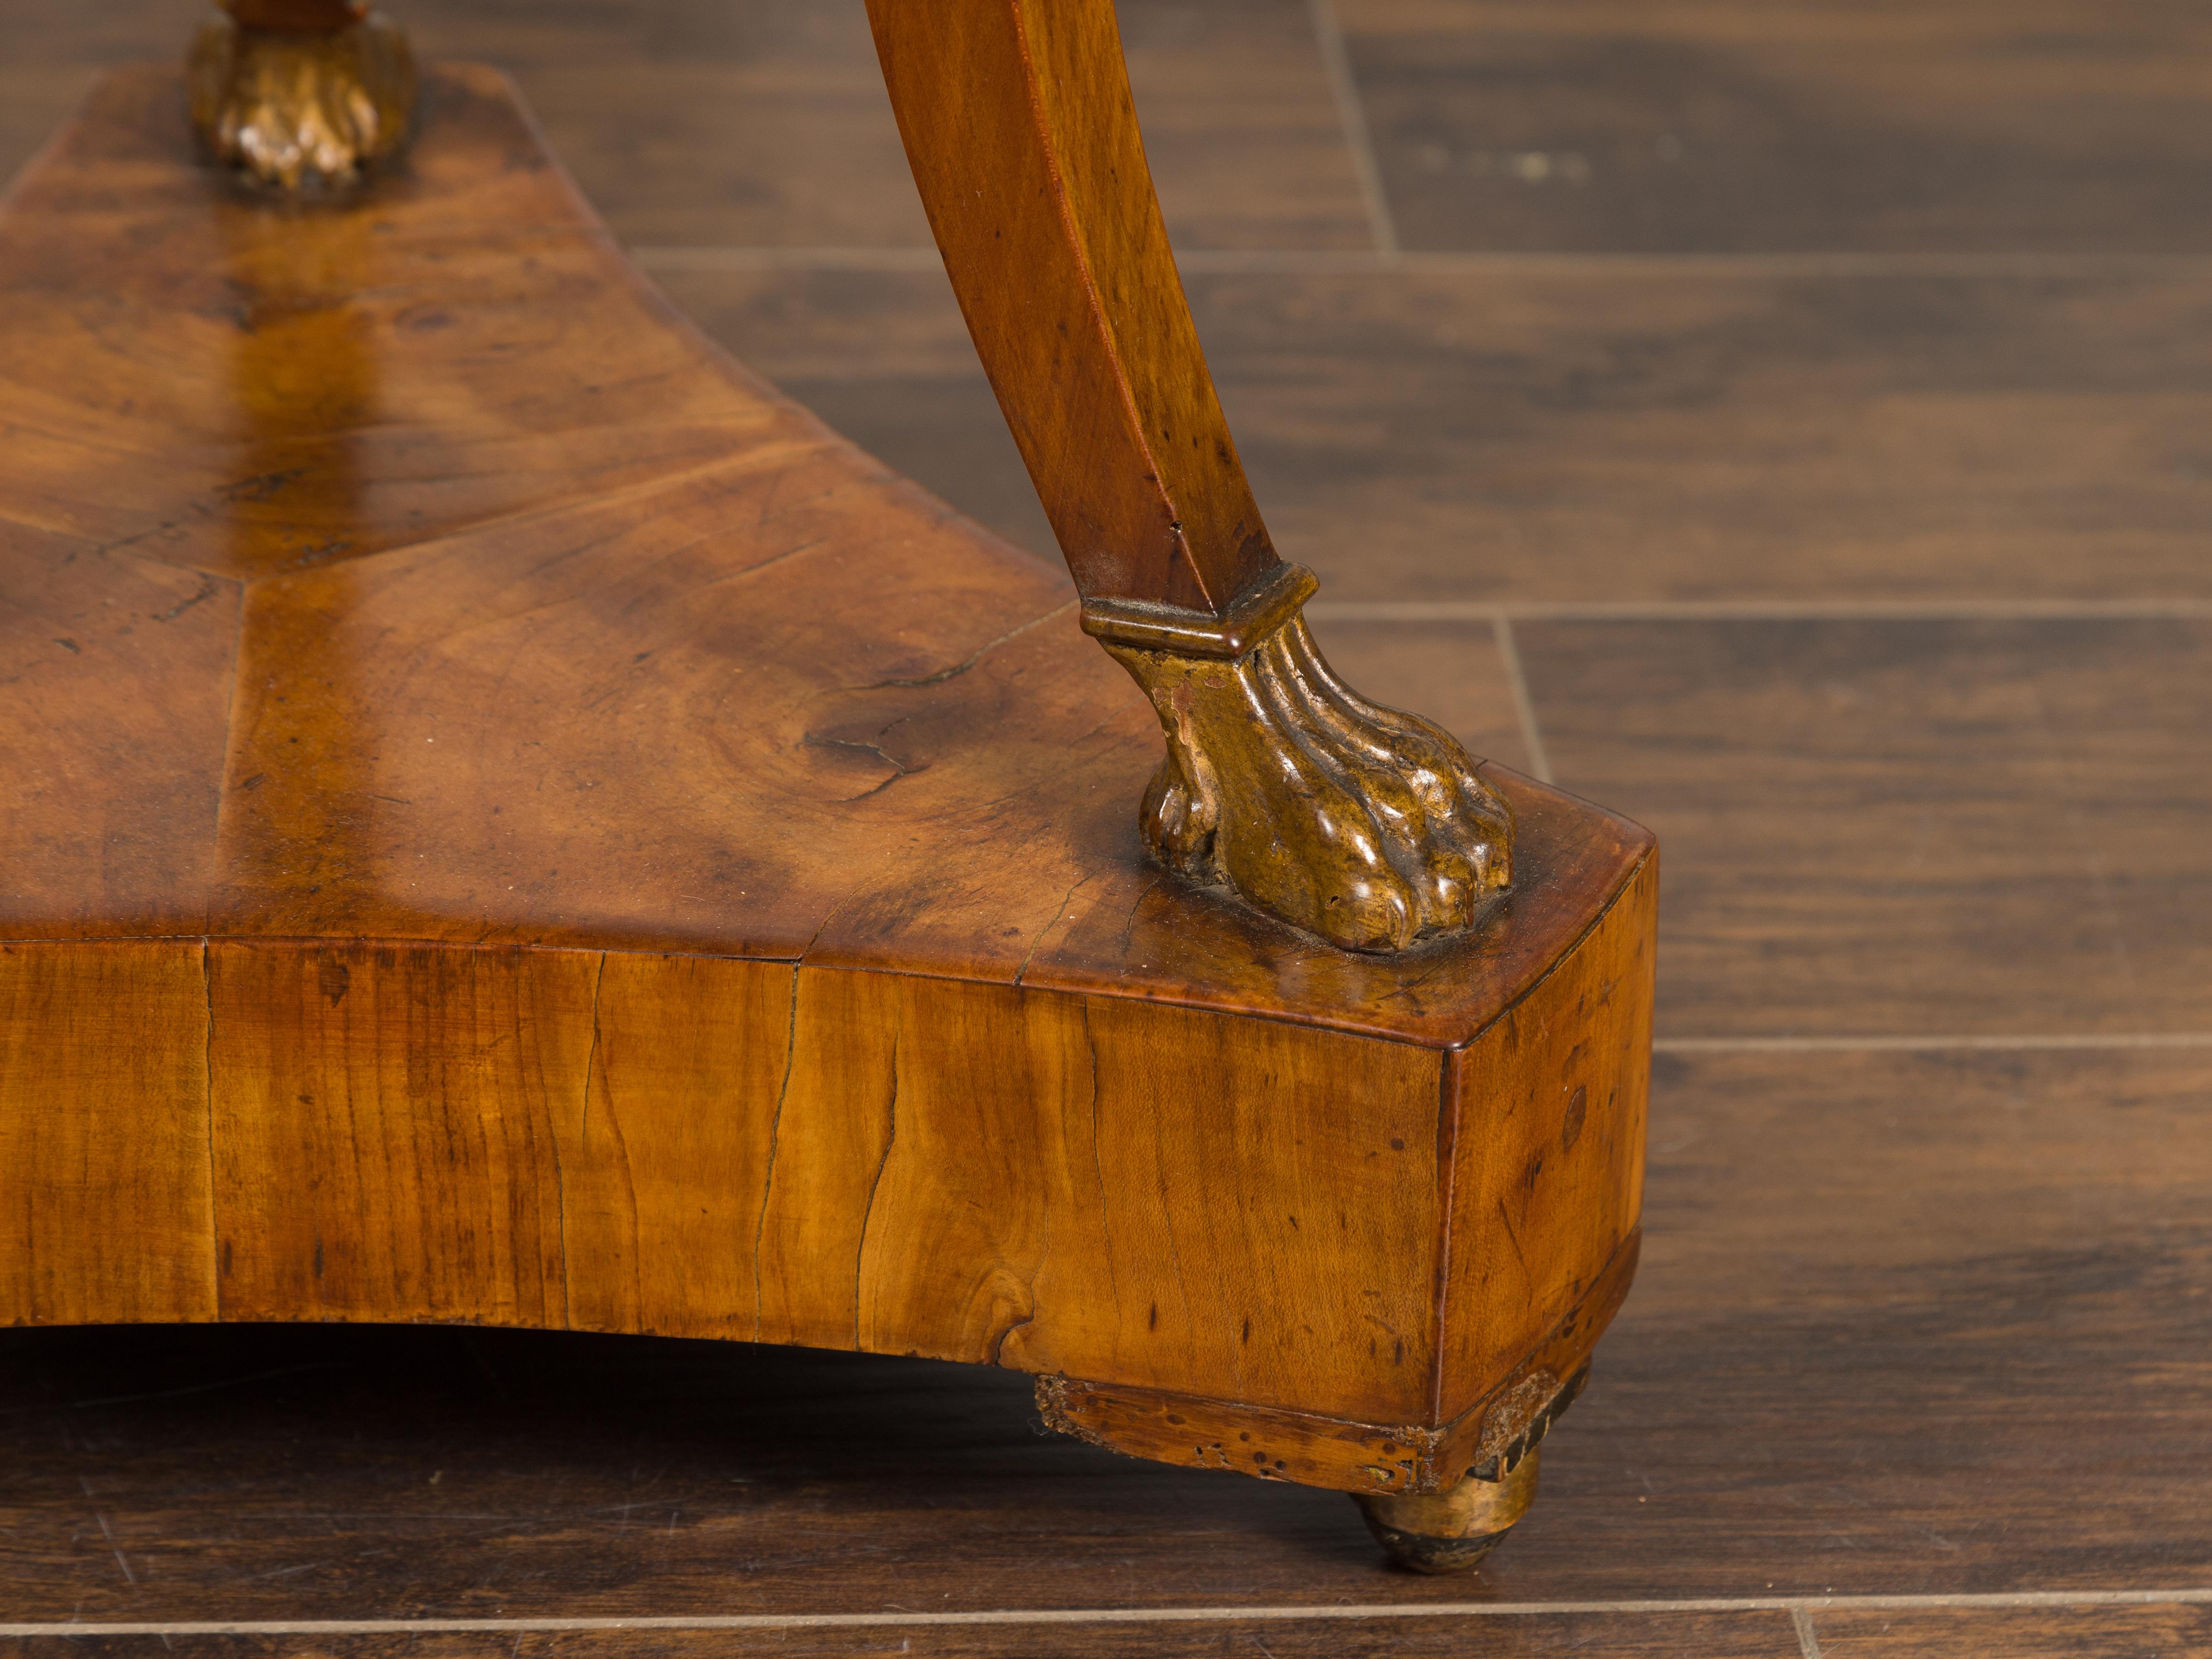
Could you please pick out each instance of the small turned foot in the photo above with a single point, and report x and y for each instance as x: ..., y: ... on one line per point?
x: 1453, y: 1530
x: 1358, y: 822
x: 302, y: 108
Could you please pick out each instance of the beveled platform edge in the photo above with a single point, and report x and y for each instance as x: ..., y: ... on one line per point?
x: 1308, y: 1448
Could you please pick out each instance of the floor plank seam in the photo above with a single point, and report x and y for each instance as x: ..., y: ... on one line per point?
x: 707, y: 258
x: 1344, y: 87
x: 1999, y: 1040
x: 1449, y: 611
x: 1795, y: 1606
x: 1524, y: 705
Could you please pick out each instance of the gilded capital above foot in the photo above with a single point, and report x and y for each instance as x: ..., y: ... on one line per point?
x: 1358, y: 822
x: 302, y: 108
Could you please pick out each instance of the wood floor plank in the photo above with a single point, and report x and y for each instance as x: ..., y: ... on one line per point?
x: 764, y: 123
x: 1452, y: 674
x: 1759, y: 1635
x: 69, y: 1167
x: 35, y: 99
x: 1906, y: 1324
x: 1585, y: 433
x: 950, y: 428
x: 1733, y: 124
x: 1603, y: 125
x: 1582, y: 434
x: 2157, y: 1632
x: 1904, y: 828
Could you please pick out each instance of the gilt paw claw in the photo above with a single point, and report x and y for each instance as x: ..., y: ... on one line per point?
x: 1358, y: 823
x: 300, y: 110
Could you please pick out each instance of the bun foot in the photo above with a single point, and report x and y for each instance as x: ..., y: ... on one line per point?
x: 1453, y: 1530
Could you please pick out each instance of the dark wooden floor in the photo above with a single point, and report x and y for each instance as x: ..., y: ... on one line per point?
x: 1790, y: 424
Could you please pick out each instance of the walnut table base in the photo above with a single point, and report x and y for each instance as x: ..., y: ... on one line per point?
x: 513, y: 821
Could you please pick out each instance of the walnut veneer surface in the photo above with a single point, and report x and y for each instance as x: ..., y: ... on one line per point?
x: 615, y: 858
x: 346, y: 479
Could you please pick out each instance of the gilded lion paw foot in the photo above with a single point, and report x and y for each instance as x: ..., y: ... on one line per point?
x: 1358, y: 823
x: 302, y: 108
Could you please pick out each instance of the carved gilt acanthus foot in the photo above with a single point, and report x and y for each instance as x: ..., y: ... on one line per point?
x: 1358, y: 823
x: 1453, y: 1530
x: 300, y: 109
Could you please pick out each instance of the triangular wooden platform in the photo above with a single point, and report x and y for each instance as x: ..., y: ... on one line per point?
x: 510, y: 819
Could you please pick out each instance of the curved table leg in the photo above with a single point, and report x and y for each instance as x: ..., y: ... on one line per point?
x: 1364, y: 825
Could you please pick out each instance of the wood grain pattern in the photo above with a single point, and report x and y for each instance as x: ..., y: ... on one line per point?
x: 660, y: 1208
x: 1910, y: 827
x: 106, y: 1202
x: 282, y: 386
x: 109, y: 655
x: 341, y: 809
x: 853, y: 1160
x: 884, y: 358
x: 2047, y: 1632
x: 1610, y: 124
x: 383, y: 1138
x: 1607, y: 431
x: 1417, y: 1458
x: 1718, y: 1635
x: 1536, y: 1251
x: 1546, y: 1115
x: 1128, y: 931
x: 376, y: 826
x: 1036, y: 1192
x: 1912, y: 1323
x: 692, y: 895
x: 1023, y: 134
x: 1897, y: 1314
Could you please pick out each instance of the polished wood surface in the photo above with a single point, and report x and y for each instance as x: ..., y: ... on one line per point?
x: 1476, y: 1445
x: 1018, y: 120
x: 1911, y: 1320
x: 536, y: 443
x: 620, y: 859
x: 385, y: 1131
